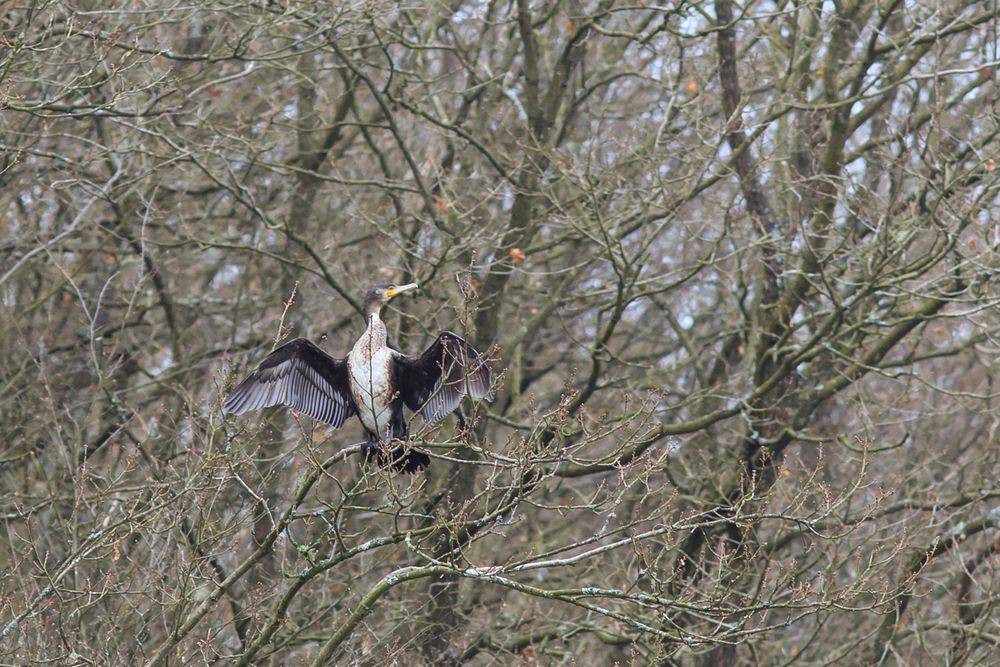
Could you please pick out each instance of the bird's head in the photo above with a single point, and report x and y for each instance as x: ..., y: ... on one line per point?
x: 383, y: 293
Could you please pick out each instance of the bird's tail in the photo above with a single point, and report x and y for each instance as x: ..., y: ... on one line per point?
x: 401, y: 458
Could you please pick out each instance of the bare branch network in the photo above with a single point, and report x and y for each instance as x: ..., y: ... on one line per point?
x: 734, y: 264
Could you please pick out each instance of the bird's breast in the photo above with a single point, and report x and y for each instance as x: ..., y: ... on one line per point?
x: 371, y: 386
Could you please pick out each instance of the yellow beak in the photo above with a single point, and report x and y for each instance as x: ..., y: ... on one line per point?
x: 393, y: 292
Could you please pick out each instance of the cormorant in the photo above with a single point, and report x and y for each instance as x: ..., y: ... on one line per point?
x: 373, y: 382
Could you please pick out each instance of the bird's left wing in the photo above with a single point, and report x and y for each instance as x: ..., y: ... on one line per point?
x: 435, y: 382
x: 303, y: 377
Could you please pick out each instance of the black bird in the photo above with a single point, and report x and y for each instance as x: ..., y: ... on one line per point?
x: 373, y: 382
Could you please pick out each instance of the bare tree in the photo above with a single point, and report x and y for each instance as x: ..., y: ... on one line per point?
x: 736, y: 264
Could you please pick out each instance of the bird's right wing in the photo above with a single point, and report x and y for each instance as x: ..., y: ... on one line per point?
x: 303, y: 377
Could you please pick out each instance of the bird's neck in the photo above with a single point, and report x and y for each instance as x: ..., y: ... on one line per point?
x: 375, y: 335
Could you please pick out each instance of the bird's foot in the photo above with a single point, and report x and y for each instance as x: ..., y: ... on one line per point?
x: 401, y: 458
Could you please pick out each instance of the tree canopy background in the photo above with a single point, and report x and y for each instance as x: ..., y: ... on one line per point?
x: 735, y: 262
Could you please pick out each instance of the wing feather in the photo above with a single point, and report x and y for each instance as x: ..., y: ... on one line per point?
x: 434, y: 383
x: 303, y: 377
